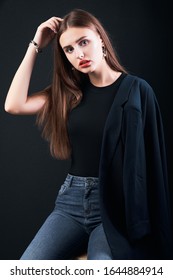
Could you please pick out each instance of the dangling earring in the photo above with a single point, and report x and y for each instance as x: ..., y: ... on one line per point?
x: 104, y: 51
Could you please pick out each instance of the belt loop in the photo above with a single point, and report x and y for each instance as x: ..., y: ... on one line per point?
x: 70, y: 179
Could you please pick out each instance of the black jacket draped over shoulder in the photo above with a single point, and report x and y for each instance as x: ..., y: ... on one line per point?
x: 134, y: 192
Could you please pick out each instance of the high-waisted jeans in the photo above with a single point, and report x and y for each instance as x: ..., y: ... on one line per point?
x: 74, y: 226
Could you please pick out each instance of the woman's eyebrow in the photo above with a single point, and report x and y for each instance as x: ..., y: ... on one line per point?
x: 78, y: 40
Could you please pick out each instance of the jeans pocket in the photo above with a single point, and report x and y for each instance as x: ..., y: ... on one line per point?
x: 64, y: 187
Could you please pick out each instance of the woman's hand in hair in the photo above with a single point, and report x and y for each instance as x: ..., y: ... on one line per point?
x: 46, y: 31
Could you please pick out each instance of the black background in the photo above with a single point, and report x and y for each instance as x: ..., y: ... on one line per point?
x: 29, y: 176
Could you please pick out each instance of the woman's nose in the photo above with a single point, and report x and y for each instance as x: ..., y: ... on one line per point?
x: 79, y: 54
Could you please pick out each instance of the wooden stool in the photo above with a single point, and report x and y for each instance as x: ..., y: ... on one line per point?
x: 82, y: 257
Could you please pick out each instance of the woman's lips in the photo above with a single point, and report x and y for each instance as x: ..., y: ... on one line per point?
x: 85, y: 63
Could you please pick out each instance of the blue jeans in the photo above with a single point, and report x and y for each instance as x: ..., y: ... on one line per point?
x: 74, y: 226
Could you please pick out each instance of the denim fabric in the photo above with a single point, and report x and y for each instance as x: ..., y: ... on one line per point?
x: 74, y: 226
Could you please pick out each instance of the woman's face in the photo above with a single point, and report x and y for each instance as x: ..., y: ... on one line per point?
x: 83, y: 48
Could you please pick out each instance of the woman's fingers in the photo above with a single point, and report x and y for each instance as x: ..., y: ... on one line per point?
x: 53, y: 23
x: 46, y: 31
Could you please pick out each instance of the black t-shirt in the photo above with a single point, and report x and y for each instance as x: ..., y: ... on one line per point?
x: 85, y: 127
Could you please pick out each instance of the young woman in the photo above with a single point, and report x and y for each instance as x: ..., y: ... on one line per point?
x: 114, y: 202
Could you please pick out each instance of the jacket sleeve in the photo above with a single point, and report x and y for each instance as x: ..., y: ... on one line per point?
x: 145, y: 169
x: 134, y: 169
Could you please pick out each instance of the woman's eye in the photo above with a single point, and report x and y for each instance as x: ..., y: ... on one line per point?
x: 84, y: 42
x: 69, y: 50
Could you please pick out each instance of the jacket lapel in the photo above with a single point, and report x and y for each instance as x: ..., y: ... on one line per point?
x: 113, y: 123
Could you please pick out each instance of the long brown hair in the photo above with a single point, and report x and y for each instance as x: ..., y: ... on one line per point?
x: 65, y: 92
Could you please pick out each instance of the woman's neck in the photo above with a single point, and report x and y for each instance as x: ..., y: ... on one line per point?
x: 104, y: 77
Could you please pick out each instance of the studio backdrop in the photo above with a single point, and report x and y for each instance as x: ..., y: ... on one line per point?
x: 29, y: 176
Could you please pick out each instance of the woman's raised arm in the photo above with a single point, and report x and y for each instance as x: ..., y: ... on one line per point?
x: 17, y: 100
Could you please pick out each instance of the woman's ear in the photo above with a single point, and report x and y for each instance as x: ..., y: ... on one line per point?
x: 101, y: 40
